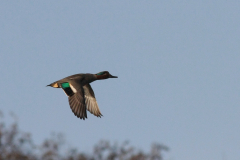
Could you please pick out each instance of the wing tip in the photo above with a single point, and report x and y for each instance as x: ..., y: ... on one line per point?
x: 81, y: 117
x: 100, y: 115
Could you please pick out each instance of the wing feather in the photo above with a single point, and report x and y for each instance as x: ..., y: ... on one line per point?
x: 91, y: 101
x: 77, y: 102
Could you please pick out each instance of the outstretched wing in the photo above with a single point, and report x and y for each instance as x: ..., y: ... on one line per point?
x: 90, y: 101
x: 77, y: 101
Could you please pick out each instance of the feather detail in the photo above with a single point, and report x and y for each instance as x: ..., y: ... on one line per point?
x: 77, y: 104
x: 90, y: 101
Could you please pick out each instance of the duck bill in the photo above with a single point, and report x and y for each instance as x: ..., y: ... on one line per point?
x: 113, y: 76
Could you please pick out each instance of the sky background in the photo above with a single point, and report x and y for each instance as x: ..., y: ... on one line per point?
x: 178, y: 65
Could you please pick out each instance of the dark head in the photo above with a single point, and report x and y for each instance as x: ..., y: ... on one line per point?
x: 105, y: 75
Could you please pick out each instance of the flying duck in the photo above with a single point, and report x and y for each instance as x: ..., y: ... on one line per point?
x: 80, y: 93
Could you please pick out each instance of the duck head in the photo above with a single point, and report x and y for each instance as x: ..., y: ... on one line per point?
x: 105, y: 75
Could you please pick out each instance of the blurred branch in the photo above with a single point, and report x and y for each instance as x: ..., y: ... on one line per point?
x: 16, y: 145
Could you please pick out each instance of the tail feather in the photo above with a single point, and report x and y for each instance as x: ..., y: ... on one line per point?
x: 54, y: 84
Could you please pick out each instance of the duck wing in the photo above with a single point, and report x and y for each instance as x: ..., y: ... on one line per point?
x: 91, y: 101
x: 77, y: 101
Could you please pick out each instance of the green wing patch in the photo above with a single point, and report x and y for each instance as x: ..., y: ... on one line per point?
x: 65, y: 85
x: 67, y: 89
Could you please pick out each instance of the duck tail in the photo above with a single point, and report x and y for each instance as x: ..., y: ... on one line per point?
x: 54, y: 84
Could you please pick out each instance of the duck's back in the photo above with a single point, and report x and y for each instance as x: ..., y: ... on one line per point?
x: 80, y: 78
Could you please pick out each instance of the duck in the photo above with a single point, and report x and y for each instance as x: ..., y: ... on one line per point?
x: 80, y: 93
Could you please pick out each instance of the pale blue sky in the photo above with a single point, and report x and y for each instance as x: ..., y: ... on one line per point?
x: 178, y: 65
